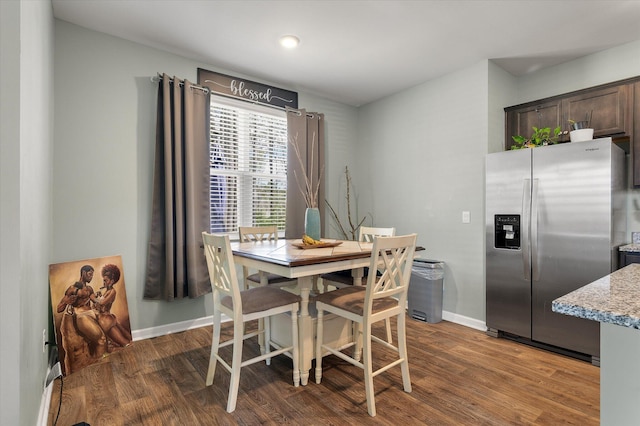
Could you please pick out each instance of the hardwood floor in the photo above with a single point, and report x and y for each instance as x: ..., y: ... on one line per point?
x: 459, y: 376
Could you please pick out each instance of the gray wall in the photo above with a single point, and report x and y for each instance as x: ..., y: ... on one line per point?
x: 606, y: 66
x: 426, y: 146
x: 103, y: 164
x: 419, y: 152
x: 26, y: 123
x: 609, y: 65
x: 423, y: 165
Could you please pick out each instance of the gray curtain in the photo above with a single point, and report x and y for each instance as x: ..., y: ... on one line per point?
x: 307, y: 128
x: 176, y: 266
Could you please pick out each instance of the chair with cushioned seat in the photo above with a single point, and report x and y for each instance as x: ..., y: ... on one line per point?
x: 366, y: 234
x: 242, y: 306
x: 342, y: 279
x: 383, y: 297
x: 257, y: 234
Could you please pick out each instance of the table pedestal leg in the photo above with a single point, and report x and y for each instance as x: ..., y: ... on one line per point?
x: 306, y: 330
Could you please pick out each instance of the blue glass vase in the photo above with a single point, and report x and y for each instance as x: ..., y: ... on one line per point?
x: 312, y: 223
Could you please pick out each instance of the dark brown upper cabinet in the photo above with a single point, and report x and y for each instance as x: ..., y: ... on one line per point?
x: 607, y: 109
x: 613, y: 108
x: 521, y: 120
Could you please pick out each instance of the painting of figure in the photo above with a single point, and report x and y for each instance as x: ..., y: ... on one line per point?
x: 90, y: 311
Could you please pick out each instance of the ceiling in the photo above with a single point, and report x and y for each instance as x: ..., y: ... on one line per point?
x: 356, y: 52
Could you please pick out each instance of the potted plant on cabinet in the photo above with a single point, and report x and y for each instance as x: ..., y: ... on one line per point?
x: 581, y: 130
x: 540, y: 137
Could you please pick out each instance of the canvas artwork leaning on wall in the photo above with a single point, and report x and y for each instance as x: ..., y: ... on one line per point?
x: 91, y: 316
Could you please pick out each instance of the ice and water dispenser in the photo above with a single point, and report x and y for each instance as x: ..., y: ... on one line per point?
x: 507, y: 231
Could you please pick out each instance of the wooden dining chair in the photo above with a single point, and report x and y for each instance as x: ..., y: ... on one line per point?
x: 258, y: 234
x: 383, y: 297
x: 342, y: 279
x: 242, y: 306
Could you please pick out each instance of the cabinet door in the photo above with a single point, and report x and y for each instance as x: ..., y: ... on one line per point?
x: 627, y: 258
x: 521, y: 120
x: 635, y: 137
x: 607, y: 108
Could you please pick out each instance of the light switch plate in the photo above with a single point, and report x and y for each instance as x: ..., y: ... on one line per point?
x: 466, y: 217
x: 635, y: 237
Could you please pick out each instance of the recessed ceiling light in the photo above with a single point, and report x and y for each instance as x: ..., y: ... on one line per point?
x: 289, y: 41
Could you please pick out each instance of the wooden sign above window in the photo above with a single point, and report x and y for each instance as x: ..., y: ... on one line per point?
x: 247, y: 90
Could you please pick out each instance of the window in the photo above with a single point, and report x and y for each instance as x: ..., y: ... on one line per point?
x: 248, y: 153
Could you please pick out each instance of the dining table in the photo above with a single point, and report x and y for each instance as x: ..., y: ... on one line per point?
x: 292, y: 258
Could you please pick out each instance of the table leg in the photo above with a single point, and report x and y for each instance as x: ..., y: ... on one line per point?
x: 305, y: 330
x: 357, y: 274
x: 264, y: 281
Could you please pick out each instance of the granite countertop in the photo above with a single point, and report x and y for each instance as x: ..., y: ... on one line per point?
x: 613, y: 299
x: 630, y: 247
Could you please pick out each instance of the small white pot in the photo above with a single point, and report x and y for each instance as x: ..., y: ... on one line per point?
x: 581, y: 135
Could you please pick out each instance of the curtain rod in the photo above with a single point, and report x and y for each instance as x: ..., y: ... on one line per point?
x: 157, y: 78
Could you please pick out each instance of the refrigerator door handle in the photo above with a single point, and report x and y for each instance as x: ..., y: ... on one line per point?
x: 525, y: 229
x: 535, y: 262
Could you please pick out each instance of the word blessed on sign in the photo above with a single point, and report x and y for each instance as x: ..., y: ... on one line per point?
x: 247, y: 90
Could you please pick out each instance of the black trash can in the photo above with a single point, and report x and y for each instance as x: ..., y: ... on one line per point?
x: 426, y: 288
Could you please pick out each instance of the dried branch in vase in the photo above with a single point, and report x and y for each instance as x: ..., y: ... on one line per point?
x: 309, y: 192
x: 354, y: 227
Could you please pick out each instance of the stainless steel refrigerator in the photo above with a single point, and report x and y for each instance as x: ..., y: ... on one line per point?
x: 555, y: 217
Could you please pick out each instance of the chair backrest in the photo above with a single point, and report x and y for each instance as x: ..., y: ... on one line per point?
x: 222, y: 270
x: 392, y: 257
x: 368, y: 233
x: 257, y: 233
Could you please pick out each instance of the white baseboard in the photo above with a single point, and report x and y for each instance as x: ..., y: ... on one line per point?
x: 176, y: 327
x: 45, y: 401
x: 466, y: 321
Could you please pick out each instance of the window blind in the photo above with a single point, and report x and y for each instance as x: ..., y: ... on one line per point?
x: 248, y: 157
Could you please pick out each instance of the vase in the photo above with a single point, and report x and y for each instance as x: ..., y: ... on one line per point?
x: 312, y: 223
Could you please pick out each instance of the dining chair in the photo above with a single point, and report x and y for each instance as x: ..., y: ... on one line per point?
x: 242, y: 306
x: 257, y: 234
x: 383, y: 297
x: 342, y: 279
x: 366, y: 234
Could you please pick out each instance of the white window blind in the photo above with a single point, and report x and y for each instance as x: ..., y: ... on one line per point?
x: 248, y: 153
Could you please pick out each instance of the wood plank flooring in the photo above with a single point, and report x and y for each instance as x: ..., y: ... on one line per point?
x: 460, y: 376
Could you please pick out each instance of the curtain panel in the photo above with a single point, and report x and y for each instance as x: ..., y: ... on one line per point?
x: 306, y: 129
x: 176, y: 266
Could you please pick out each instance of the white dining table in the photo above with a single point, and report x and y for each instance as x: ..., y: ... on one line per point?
x: 282, y: 257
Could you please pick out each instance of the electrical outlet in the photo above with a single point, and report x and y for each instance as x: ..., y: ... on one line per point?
x: 54, y: 373
x: 44, y: 340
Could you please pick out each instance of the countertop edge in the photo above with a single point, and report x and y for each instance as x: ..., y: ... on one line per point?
x: 613, y: 299
x: 630, y: 248
x: 595, y: 315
